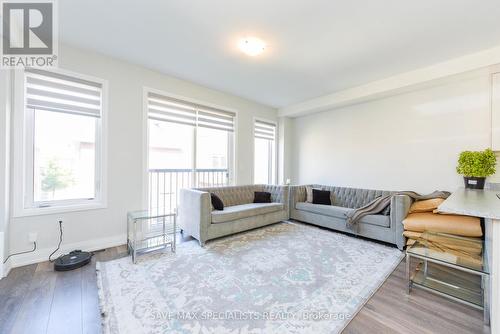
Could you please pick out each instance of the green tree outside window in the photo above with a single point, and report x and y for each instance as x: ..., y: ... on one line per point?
x: 54, y: 177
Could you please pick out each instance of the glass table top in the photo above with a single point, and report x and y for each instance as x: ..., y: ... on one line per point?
x: 459, y: 251
x: 148, y: 214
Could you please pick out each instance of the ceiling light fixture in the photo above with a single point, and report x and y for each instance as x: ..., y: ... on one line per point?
x: 252, y: 46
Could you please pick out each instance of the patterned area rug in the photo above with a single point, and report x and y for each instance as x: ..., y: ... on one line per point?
x: 283, y: 278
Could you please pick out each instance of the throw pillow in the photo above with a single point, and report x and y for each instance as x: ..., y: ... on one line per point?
x: 427, y: 205
x: 309, y: 193
x: 321, y: 197
x: 216, y: 202
x: 262, y: 197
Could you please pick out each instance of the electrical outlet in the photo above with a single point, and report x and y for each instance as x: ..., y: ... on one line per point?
x: 33, y: 236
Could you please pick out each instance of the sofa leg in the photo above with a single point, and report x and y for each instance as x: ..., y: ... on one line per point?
x: 202, y: 243
x: 182, y: 231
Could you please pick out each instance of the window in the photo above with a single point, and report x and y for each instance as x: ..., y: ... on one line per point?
x: 190, y: 145
x: 264, y: 152
x: 170, y: 145
x: 62, y: 141
x: 184, y: 135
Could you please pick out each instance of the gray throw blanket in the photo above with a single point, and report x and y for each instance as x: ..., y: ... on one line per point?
x: 380, y: 203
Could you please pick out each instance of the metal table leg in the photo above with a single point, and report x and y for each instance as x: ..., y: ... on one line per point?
x: 408, y: 280
x: 164, y: 232
x: 485, y: 280
x: 128, y: 236
x: 174, y: 236
x: 134, y: 243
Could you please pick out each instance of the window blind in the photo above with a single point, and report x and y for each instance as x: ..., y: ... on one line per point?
x: 264, y: 130
x: 167, y: 109
x: 62, y: 93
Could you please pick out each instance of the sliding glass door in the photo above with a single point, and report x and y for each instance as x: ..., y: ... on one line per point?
x: 190, y: 145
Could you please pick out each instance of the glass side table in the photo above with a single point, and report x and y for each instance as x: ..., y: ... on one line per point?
x: 451, y: 266
x: 149, y: 231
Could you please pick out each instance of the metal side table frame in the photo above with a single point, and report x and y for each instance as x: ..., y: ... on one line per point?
x: 428, y: 258
x: 152, y: 240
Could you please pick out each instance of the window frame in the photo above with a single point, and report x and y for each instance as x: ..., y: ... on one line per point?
x: 23, y: 162
x: 232, y: 145
x: 271, y: 173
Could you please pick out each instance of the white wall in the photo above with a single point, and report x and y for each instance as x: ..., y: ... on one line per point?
x: 409, y: 141
x: 285, y: 125
x: 5, y: 100
x: 107, y: 227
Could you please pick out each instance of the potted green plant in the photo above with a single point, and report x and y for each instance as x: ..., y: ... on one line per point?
x: 475, y: 166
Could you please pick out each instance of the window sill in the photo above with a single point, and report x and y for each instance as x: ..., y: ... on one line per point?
x: 57, y: 209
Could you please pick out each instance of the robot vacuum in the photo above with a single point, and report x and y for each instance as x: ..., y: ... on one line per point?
x: 73, y: 260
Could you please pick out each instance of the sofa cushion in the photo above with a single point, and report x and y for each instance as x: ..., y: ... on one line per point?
x: 327, y: 210
x: 379, y: 220
x: 340, y: 212
x: 244, y: 211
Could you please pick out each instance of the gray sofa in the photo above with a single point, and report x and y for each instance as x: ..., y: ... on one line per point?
x: 388, y: 228
x: 197, y: 218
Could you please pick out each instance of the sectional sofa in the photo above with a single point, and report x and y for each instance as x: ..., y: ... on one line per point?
x: 386, y: 226
x: 197, y: 217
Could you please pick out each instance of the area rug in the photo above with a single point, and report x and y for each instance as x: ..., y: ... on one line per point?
x: 283, y: 278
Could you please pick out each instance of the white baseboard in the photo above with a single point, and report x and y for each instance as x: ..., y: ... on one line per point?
x: 2, y: 258
x: 6, y: 267
x: 42, y: 255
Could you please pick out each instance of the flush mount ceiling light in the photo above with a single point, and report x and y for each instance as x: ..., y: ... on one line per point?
x: 251, y: 46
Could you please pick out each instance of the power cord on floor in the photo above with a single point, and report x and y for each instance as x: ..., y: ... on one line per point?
x: 60, y: 241
x: 26, y: 252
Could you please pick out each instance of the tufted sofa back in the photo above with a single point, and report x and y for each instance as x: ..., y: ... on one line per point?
x: 279, y: 194
x: 352, y: 197
x: 235, y: 195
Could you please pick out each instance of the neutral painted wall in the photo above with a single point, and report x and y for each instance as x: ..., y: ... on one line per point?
x: 409, y: 141
x: 285, y: 133
x: 5, y: 100
x: 100, y: 228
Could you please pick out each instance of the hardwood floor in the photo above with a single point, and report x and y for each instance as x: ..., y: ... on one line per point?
x: 391, y: 310
x: 35, y: 299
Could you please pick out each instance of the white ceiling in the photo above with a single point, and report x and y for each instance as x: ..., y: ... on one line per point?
x: 315, y: 46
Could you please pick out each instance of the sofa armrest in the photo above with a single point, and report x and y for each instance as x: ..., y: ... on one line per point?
x: 194, y: 213
x: 400, y: 206
x: 279, y: 194
x: 297, y: 194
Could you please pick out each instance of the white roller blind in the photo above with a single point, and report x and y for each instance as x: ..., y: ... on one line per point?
x: 62, y: 93
x: 172, y: 110
x: 264, y: 130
